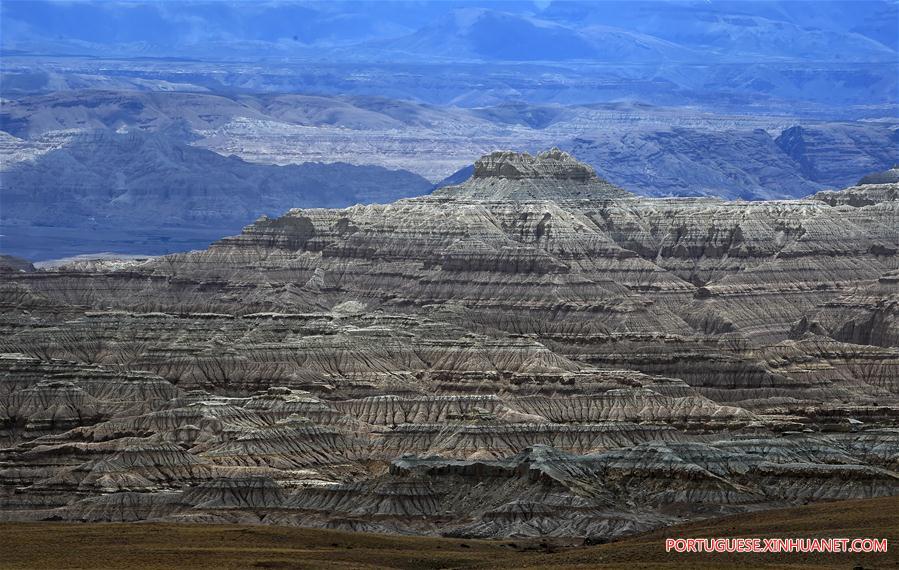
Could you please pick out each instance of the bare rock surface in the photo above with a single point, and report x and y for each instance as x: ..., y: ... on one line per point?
x: 890, y: 176
x: 533, y: 352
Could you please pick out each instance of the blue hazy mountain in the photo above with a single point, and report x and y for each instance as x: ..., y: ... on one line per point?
x: 762, y: 55
x: 511, y: 31
x: 490, y: 35
x: 853, y: 30
x: 108, y: 105
x: 150, y: 193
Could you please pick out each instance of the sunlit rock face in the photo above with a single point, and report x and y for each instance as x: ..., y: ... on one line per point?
x: 550, y: 175
x: 550, y: 165
x: 533, y: 352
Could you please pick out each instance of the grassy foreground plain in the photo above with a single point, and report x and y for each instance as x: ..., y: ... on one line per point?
x: 221, y: 547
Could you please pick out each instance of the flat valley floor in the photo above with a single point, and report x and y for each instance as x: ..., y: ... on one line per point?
x: 150, y: 545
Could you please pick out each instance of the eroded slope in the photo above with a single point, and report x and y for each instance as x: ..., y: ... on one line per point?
x: 533, y: 352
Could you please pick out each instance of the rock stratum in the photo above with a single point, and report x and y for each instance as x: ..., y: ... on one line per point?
x: 533, y: 352
x: 157, y: 172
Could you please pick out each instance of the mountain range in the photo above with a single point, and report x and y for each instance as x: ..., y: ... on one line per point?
x: 718, y: 54
x: 306, y: 263
x: 152, y: 172
x: 691, y: 30
x: 144, y: 192
x: 213, y: 113
x: 532, y: 353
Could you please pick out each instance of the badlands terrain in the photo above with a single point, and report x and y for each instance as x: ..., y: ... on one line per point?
x: 154, y: 172
x: 155, y: 545
x: 534, y: 352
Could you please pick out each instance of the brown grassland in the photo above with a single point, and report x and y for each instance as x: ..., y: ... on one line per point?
x: 151, y: 546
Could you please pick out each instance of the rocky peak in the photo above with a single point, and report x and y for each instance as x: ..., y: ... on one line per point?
x: 550, y: 175
x: 890, y: 176
x: 550, y: 164
x: 13, y: 264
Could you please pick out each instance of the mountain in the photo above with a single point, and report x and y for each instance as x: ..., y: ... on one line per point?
x: 150, y: 183
x: 92, y: 109
x: 771, y: 56
x: 656, y: 151
x: 550, y: 175
x: 751, y: 31
x: 733, y: 164
x: 531, y: 353
x: 824, y: 154
x: 491, y: 35
x: 634, y: 31
x: 738, y: 164
x: 885, y: 177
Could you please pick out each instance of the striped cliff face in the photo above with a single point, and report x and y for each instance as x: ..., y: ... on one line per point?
x: 531, y: 351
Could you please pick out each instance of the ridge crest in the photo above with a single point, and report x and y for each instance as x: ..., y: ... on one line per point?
x: 551, y: 164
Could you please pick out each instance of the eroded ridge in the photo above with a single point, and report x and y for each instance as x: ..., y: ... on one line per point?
x: 533, y: 352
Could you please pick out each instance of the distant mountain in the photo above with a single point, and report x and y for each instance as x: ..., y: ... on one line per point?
x: 835, y: 155
x: 734, y: 164
x: 642, y: 32
x: 494, y: 35
x: 739, y: 164
x: 751, y: 31
x: 148, y: 182
x: 11, y: 263
x: 764, y: 56
x: 632, y: 31
x: 890, y: 176
x: 134, y: 172
x: 650, y: 150
x: 154, y: 110
x: 456, y: 178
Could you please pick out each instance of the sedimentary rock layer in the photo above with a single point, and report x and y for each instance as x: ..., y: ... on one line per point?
x: 532, y: 352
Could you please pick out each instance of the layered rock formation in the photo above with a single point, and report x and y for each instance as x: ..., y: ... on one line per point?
x: 153, y: 193
x: 890, y: 176
x: 532, y: 352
